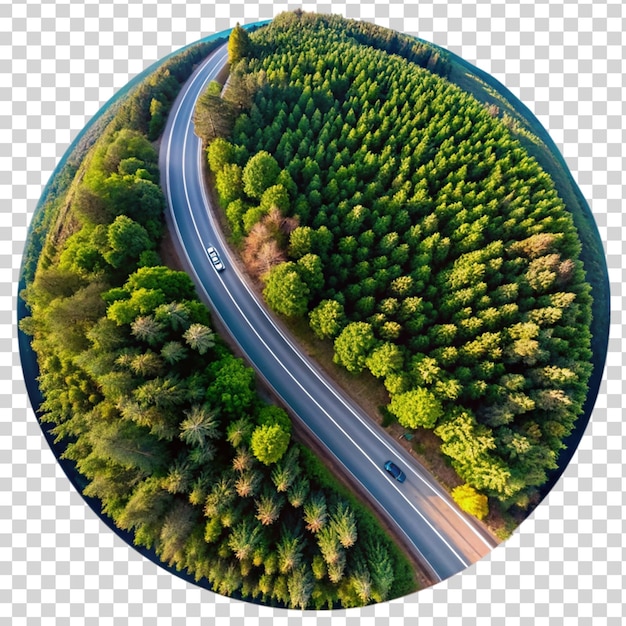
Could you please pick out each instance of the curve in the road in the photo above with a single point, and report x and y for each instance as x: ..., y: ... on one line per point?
x: 441, y: 536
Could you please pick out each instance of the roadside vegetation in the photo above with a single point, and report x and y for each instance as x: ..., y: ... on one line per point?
x: 163, y: 423
x: 407, y: 223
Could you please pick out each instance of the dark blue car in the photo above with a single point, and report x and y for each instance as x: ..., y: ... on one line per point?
x: 395, y: 471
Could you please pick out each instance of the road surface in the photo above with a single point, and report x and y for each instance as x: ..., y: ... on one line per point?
x: 441, y: 536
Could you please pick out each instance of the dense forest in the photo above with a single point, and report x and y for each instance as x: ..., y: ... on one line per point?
x: 162, y: 421
x: 405, y: 221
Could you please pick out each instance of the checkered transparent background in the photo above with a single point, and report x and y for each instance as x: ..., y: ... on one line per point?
x: 59, y: 62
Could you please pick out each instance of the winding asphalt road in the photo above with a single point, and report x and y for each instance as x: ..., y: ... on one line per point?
x: 441, y: 536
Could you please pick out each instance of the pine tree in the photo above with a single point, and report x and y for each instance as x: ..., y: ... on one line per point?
x: 239, y: 431
x: 298, y: 492
x: 361, y: 582
x: 177, y: 527
x: 146, y: 364
x: 330, y: 548
x: 343, y: 523
x: 243, y: 460
x: 200, y: 425
x: 300, y: 585
x: 290, y: 553
x: 315, y: 513
x: 199, y: 337
x: 179, y: 476
x: 248, y: 483
x: 268, y: 507
x: 244, y: 539
x: 147, y: 329
x: 381, y: 569
x: 239, y: 45
x: 221, y: 496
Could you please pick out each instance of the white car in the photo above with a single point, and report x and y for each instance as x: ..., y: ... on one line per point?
x: 215, y: 259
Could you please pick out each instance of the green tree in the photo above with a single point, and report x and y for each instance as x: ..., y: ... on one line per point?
x: 243, y: 460
x: 343, y: 522
x: 361, y: 583
x: 239, y: 45
x: 232, y: 389
x: 200, y: 425
x: 129, y: 445
x: 148, y: 329
x: 269, y: 443
x: 239, y: 431
x: 179, y: 476
x: 214, y: 116
x: 334, y: 555
x: 311, y: 272
x: 301, y: 241
x: 110, y: 483
x: 141, y: 303
x: 163, y: 392
x: 275, y: 197
x: 271, y: 414
x: 268, y: 507
x: 470, y: 501
x: 123, y: 144
x: 244, y: 539
x: 260, y: 173
x: 247, y: 485
x: 300, y: 585
x: 83, y: 253
x: 285, y: 291
x: 229, y: 183
x: 137, y: 198
x: 464, y: 440
x: 175, y: 533
x: 176, y: 315
x: 354, y: 345
x: 219, y: 153
x: 385, y: 359
x: 298, y: 492
x: 158, y: 117
x: 175, y: 285
x: 283, y: 476
x: 416, y: 408
x: 220, y: 497
x: 315, y: 512
x: 69, y: 319
x: 327, y: 319
x: 381, y: 569
x: 145, y: 510
x: 289, y: 464
x: 200, y: 338
x: 241, y: 89
x: 146, y: 364
x: 289, y: 551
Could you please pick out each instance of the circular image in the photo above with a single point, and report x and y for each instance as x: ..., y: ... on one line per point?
x: 313, y: 313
